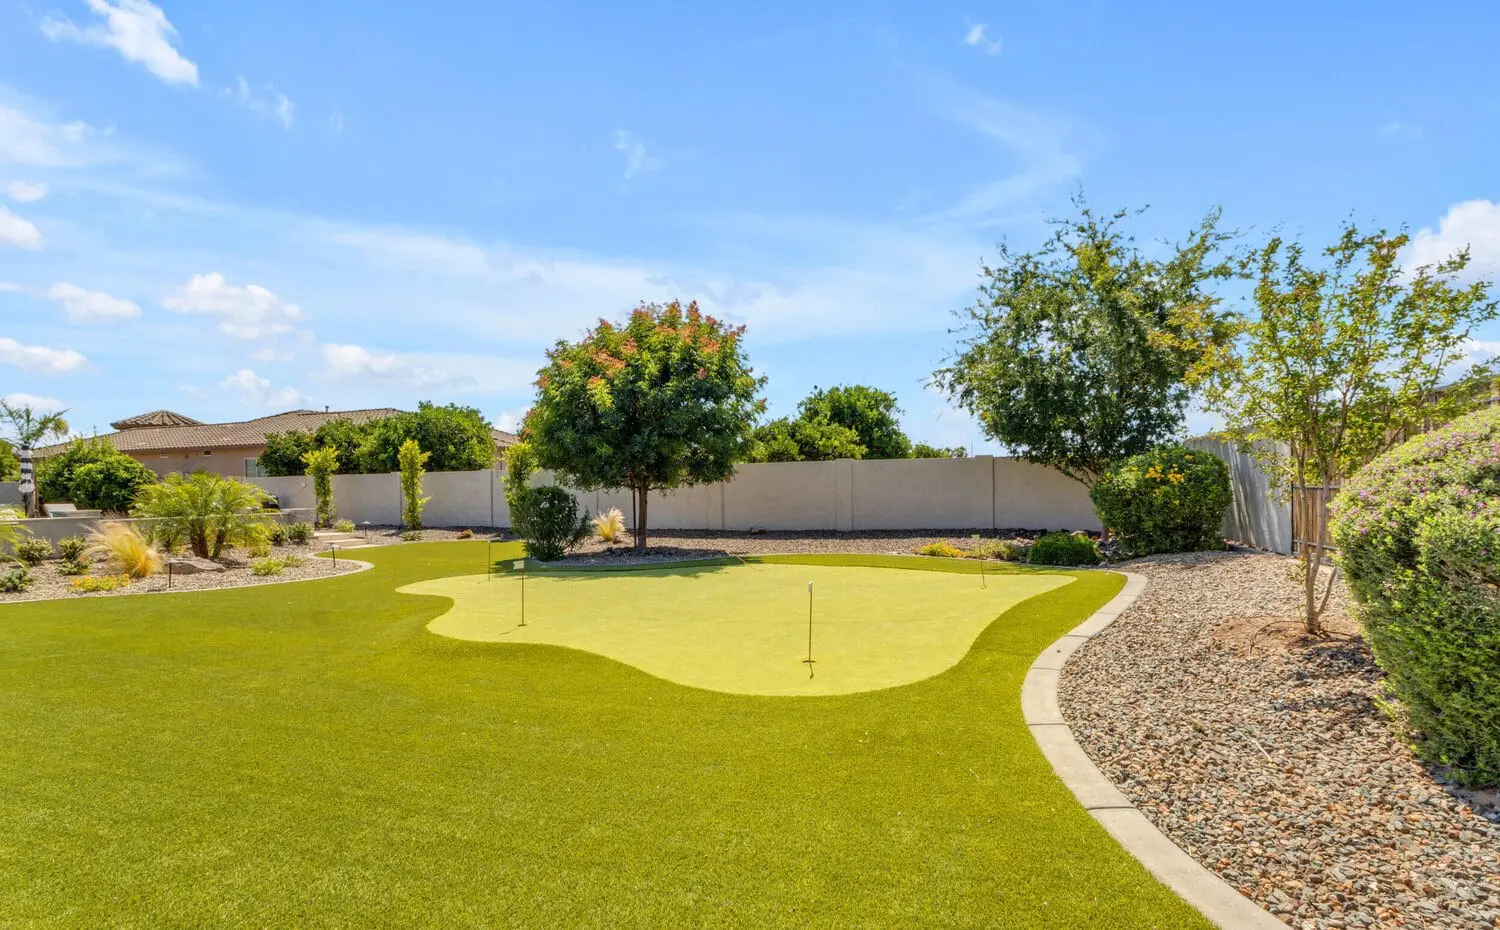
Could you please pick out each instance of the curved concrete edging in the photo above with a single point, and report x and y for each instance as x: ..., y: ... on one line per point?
x: 1224, y: 906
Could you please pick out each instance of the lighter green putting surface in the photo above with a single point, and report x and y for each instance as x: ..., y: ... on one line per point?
x: 743, y: 629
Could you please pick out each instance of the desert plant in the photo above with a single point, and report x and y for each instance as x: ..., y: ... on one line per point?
x: 91, y: 584
x: 1005, y: 550
x: 32, y: 551
x: 208, y: 511
x: 128, y: 551
x: 1170, y: 499
x: 1416, y: 532
x: 412, y: 459
x: 258, y: 550
x: 292, y: 560
x: 464, y: 534
x: 344, y: 526
x: 609, y: 526
x: 1064, y: 549
x: 72, y: 547
x: 550, y: 522
x: 267, y: 566
x: 276, y: 534
x: 411, y: 535
x: 16, y: 580
x: 299, y: 533
x: 321, y: 464
x: 940, y: 550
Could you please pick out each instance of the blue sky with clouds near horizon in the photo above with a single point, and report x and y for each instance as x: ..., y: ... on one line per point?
x: 229, y: 209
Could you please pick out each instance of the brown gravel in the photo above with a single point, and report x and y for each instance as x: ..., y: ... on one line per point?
x: 671, y: 545
x: 1266, y: 756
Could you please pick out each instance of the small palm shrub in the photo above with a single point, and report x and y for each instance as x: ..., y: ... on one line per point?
x: 16, y: 580
x: 940, y: 550
x: 1170, y: 499
x: 90, y: 584
x: 344, y: 526
x: 1064, y: 549
x: 33, y: 551
x: 609, y: 526
x: 299, y: 533
x: 129, y: 552
x: 549, y: 522
x: 1418, y: 533
x: 209, y: 512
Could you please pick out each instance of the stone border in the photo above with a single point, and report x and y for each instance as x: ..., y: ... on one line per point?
x: 1220, y: 902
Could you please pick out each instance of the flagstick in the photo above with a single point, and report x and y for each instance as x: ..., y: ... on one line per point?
x: 982, y: 583
x: 809, y: 660
x: 521, y: 564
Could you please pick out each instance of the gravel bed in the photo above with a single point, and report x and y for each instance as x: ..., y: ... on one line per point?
x: 51, y: 584
x: 671, y: 545
x: 391, y: 536
x: 1264, y: 753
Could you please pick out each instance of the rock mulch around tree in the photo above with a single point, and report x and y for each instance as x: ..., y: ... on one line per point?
x: 1265, y: 754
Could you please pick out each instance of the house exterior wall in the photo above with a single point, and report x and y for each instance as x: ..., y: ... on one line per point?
x: 229, y: 462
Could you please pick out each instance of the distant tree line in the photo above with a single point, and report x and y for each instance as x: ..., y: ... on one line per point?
x: 456, y: 439
x: 853, y: 422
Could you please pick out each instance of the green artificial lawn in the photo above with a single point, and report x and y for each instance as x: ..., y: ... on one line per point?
x: 310, y: 755
x: 743, y: 628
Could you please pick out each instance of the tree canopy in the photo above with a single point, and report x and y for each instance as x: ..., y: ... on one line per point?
x: 664, y: 401
x: 870, y: 412
x: 456, y: 438
x: 1080, y: 354
x: 92, y: 474
x: 789, y: 440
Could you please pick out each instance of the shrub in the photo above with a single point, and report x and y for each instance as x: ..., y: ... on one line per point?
x: 267, y: 567
x: 1416, y: 531
x: 549, y: 522
x: 258, y: 550
x: 344, y: 526
x: 1004, y: 549
x: 33, y: 551
x: 16, y: 580
x: 321, y: 464
x: 207, y: 511
x: 90, y: 584
x: 940, y: 550
x: 72, y: 547
x: 299, y: 533
x: 292, y: 560
x: 128, y: 551
x: 412, y: 459
x: 411, y: 535
x: 70, y: 476
x: 1064, y: 549
x: 1170, y: 499
x: 609, y: 526
x: 276, y: 534
x: 464, y: 534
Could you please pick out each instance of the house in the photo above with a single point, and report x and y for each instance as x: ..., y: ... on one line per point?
x: 166, y: 441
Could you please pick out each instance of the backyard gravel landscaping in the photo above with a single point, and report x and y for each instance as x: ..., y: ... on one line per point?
x: 1266, y: 756
x: 670, y: 545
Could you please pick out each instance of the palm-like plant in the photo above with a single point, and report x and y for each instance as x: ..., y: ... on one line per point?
x: 10, y: 528
x: 29, y: 427
x: 205, y: 510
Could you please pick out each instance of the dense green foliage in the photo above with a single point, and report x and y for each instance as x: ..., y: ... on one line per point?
x: 665, y: 401
x: 92, y: 475
x: 16, y: 580
x: 922, y: 450
x: 1064, y: 549
x: 10, y: 463
x: 206, y: 511
x: 1078, y: 355
x: 549, y: 521
x: 32, y: 550
x: 871, y: 413
x: 1170, y: 499
x: 1341, y: 358
x: 321, y: 465
x: 299, y: 533
x: 1417, y: 532
x: 411, y: 460
x: 789, y: 440
x: 457, y: 439
x: 468, y: 784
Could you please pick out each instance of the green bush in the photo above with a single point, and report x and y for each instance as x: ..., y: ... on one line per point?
x: 1170, y: 499
x: 942, y: 549
x: 299, y: 533
x: 549, y: 521
x: 33, y: 551
x: 1064, y: 549
x: 72, y: 547
x: 411, y: 535
x: 92, y: 475
x: 1007, y: 550
x: 267, y: 566
x: 344, y: 526
x: 276, y: 534
x: 1417, y: 533
x: 16, y: 580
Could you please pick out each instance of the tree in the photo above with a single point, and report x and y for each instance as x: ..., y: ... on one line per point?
x: 10, y: 464
x: 871, y: 413
x: 1340, y: 361
x: 924, y: 451
x: 412, y: 459
x: 1079, y: 355
x: 321, y: 465
x: 665, y: 401
x: 457, y: 439
x: 284, y: 451
x: 786, y: 440
x: 91, y: 473
x: 205, y: 510
x: 27, y: 428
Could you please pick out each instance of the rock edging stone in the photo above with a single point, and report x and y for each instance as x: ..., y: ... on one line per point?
x: 1219, y: 901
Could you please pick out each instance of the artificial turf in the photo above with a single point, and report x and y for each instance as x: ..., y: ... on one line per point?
x: 310, y: 755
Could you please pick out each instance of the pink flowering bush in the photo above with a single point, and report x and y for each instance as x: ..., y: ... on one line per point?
x: 1419, y: 538
x: 1171, y: 499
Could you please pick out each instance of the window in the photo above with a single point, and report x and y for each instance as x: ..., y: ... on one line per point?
x: 253, y: 469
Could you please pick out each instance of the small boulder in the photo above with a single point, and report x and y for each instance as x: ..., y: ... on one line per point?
x: 189, y: 565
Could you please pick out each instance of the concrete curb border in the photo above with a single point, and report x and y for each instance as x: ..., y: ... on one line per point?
x: 1224, y: 906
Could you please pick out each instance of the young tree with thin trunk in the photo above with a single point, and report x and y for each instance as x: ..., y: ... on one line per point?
x: 665, y: 401
x: 411, y: 458
x: 27, y: 428
x: 1341, y: 359
x: 321, y: 464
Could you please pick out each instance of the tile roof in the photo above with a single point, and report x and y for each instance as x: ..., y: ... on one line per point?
x: 205, y: 436
x: 156, y: 418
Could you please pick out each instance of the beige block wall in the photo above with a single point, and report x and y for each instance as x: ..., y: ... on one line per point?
x: 783, y: 496
x: 910, y: 494
x: 221, y: 461
x: 1035, y: 497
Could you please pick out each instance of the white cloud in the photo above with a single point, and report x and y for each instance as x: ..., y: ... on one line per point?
x: 417, y: 251
x: 81, y: 306
x: 272, y: 355
x: 1473, y: 224
x: 352, y: 361
x: 510, y: 420
x: 137, y: 29
x: 978, y: 37
x: 278, y: 104
x: 285, y: 110
x: 35, y: 402
x: 29, y: 138
x: 39, y: 358
x: 26, y: 191
x: 637, y: 160
x: 258, y: 392
x: 17, y: 231
x: 249, y: 312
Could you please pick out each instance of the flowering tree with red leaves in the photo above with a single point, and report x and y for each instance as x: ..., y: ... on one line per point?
x: 667, y: 400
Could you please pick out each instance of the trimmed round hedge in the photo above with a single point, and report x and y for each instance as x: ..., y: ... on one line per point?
x: 1419, y: 537
x: 1170, y: 499
x: 1062, y: 548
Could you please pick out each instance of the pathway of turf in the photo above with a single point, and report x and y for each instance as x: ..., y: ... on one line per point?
x: 743, y: 628
x: 310, y: 755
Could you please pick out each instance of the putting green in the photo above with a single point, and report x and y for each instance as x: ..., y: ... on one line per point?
x: 743, y: 629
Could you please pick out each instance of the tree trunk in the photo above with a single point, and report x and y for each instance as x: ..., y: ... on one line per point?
x: 643, y: 495
x: 1312, y: 563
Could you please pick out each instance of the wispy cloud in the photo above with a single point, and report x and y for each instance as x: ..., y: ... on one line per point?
x: 34, y: 401
x: 39, y: 359
x: 977, y: 36
x: 18, y: 232
x: 274, y: 103
x: 26, y: 191
x: 244, y: 312
x: 83, y: 306
x: 137, y: 29
x: 258, y: 391
x: 637, y: 159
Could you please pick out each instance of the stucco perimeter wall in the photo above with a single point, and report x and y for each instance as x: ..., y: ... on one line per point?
x: 1258, y: 515
x: 464, y: 498
x: 1035, y: 497
x: 292, y: 493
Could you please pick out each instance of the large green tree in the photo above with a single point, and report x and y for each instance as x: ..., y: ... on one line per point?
x: 459, y: 439
x: 1343, y: 356
x: 799, y: 440
x: 665, y: 401
x: 870, y: 412
x: 92, y: 474
x: 1079, y: 355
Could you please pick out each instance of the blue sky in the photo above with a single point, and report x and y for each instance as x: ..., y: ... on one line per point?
x: 228, y: 209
